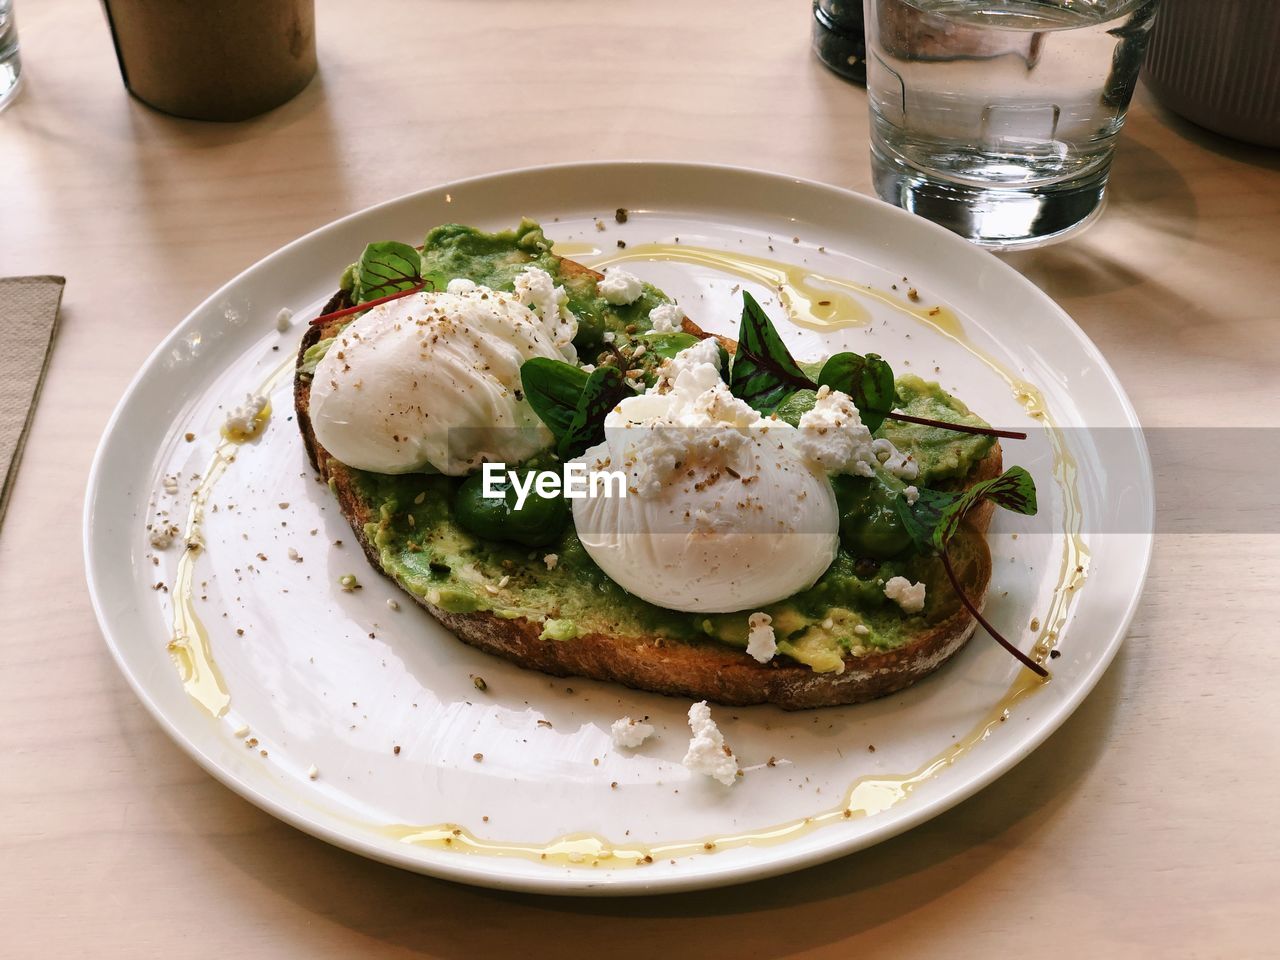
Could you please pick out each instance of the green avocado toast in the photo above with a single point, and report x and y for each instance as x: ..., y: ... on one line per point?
x: 524, y: 588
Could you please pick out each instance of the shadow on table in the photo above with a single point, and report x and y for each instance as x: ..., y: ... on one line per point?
x: 1147, y: 198
x: 233, y: 172
x: 822, y: 905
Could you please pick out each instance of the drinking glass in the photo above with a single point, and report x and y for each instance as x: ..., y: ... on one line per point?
x: 998, y: 118
x: 10, y: 64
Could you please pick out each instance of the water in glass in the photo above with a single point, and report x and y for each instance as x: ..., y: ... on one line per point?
x: 998, y: 118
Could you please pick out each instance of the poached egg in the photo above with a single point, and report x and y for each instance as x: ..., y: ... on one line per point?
x: 432, y: 381
x: 723, y: 511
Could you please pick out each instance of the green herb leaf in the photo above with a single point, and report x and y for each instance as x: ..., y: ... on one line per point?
x: 764, y: 373
x: 667, y: 345
x: 867, y: 380
x: 936, y: 515
x: 921, y: 519
x: 603, y: 391
x: 553, y: 388
x: 795, y: 406
x: 1014, y: 490
x: 386, y: 268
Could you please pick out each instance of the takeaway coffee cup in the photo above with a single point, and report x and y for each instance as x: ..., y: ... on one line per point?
x: 214, y: 59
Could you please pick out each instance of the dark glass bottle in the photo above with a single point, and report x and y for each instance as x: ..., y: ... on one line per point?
x: 838, y: 38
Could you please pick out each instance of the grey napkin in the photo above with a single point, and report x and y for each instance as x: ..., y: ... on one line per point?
x: 28, y: 319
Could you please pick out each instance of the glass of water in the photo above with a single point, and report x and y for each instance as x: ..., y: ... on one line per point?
x: 998, y: 118
x: 10, y: 65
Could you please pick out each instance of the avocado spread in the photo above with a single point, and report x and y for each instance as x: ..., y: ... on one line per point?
x: 424, y: 547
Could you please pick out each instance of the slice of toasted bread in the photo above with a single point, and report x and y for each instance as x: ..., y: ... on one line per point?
x: 705, y: 670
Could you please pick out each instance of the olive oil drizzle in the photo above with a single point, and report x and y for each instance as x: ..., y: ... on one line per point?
x: 809, y: 298
x: 189, y: 646
x: 866, y: 797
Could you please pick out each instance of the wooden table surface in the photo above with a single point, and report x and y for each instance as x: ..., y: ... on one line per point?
x: 1146, y: 827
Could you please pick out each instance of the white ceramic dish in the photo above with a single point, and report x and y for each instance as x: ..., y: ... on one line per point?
x: 338, y: 680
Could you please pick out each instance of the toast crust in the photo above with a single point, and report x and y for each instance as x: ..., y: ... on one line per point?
x: 707, y: 671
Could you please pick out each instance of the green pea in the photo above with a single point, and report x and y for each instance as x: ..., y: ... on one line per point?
x: 537, y: 523
x: 869, y: 524
x: 590, y: 335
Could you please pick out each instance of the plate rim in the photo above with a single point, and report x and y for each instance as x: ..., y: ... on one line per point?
x: 471, y: 870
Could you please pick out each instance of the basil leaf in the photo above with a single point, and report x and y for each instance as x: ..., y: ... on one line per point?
x: 795, y: 406
x: 667, y: 345
x: 603, y: 391
x: 553, y: 388
x: 867, y: 380
x: 763, y: 373
x: 386, y: 268
x: 1014, y: 490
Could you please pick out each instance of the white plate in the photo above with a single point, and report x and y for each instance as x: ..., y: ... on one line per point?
x: 336, y: 680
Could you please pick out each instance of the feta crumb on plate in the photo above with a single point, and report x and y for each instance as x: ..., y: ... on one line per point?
x: 243, y: 420
x: 630, y: 733
x: 708, y: 753
x: 761, y: 643
x: 909, y: 596
x: 283, y: 319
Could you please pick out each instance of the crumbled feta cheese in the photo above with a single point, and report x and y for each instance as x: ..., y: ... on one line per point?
x: 708, y: 753
x: 551, y: 559
x: 666, y: 318
x: 460, y: 286
x: 170, y: 485
x: 761, y: 643
x: 689, y: 416
x: 911, y: 495
x: 283, y: 319
x: 312, y: 772
x: 833, y: 435
x: 243, y: 420
x: 909, y: 596
x: 704, y: 353
x: 630, y: 733
x: 537, y: 291
x: 899, y: 464
x: 620, y: 287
